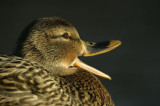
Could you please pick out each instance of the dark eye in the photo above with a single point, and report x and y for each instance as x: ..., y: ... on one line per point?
x: 65, y: 35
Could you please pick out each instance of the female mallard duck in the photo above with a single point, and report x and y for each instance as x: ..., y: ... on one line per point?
x: 48, y: 71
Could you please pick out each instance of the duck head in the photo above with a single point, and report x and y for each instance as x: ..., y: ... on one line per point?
x: 55, y: 44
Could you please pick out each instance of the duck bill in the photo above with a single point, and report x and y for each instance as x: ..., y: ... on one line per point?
x: 91, y: 49
x: 90, y: 69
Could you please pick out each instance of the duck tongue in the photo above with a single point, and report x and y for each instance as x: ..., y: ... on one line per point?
x: 80, y: 64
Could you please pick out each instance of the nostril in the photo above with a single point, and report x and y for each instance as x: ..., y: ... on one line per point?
x: 92, y: 43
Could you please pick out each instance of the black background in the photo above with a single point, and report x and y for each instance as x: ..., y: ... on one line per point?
x: 134, y: 66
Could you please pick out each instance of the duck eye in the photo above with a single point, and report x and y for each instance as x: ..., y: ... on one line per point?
x: 65, y: 35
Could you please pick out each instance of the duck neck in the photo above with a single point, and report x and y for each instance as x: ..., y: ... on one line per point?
x: 55, y: 65
x: 62, y: 71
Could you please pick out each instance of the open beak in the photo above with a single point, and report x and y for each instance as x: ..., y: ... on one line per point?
x: 91, y: 49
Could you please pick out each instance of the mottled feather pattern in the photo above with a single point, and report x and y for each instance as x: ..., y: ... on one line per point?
x: 45, y: 73
x: 27, y: 83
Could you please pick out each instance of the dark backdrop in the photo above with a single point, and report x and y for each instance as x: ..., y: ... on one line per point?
x: 134, y: 66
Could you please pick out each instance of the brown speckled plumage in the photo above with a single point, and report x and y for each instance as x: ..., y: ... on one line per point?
x: 36, y: 78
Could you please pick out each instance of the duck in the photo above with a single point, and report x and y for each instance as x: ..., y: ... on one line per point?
x: 45, y: 69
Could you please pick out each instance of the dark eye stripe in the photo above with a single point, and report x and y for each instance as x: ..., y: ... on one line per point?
x: 65, y: 35
x: 54, y: 37
x: 50, y: 36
